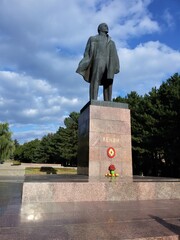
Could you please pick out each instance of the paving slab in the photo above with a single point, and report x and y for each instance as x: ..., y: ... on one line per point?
x: 103, y: 220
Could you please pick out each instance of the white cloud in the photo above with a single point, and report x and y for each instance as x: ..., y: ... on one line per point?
x: 25, y: 99
x: 30, y: 112
x: 146, y: 66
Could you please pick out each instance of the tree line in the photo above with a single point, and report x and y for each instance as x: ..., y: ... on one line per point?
x: 155, y: 124
x: 155, y: 120
x: 59, y: 147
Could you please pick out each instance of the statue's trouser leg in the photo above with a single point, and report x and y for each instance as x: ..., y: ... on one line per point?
x: 107, y: 90
x: 99, y: 69
x: 94, y: 87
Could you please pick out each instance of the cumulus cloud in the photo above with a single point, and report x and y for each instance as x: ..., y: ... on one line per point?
x: 41, y: 43
x: 145, y: 66
x: 31, y: 100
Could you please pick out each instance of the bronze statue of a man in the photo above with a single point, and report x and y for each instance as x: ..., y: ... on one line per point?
x: 100, y: 63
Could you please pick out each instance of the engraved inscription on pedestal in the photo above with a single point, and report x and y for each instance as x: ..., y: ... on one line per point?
x: 111, y: 140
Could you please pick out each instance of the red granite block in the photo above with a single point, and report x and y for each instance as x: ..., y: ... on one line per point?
x: 108, y: 113
x: 100, y: 128
x: 110, y: 126
x: 100, y: 189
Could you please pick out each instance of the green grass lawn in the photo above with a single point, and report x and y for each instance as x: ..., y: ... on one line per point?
x: 49, y: 170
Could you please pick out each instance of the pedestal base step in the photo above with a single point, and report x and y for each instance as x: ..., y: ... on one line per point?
x: 110, y: 190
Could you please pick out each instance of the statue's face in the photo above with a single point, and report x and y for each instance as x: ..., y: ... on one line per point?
x: 103, y: 27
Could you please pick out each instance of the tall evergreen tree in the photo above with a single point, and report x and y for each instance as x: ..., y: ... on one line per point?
x: 135, y: 103
x: 169, y: 95
x: 47, y: 151
x: 67, y: 138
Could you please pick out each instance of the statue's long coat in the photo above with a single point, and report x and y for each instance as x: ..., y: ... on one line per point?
x: 91, y: 57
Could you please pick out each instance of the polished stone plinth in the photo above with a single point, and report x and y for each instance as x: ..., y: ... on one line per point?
x: 79, y: 188
x: 104, y: 125
x: 102, y: 220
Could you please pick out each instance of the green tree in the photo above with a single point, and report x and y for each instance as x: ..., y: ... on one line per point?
x: 162, y: 107
x: 169, y: 96
x: 151, y: 129
x: 155, y: 122
x: 135, y: 103
x: 19, y: 153
x: 67, y: 139
x: 6, y: 143
x: 16, y: 143
x: 47, y: 151
x: 28, y: 152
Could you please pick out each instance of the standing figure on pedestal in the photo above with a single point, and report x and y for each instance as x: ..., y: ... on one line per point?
x: 100, y: 63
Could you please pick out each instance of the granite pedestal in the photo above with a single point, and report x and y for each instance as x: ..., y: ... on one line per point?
x: 103, y: 127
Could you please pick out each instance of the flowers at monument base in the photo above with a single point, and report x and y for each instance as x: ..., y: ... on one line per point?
x: 111, y: 173
x: 111, y: 167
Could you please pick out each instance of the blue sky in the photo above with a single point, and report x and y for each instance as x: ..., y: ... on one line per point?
x: 42, y: 42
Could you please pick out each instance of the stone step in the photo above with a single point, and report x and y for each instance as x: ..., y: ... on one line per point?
x: 71, y: 191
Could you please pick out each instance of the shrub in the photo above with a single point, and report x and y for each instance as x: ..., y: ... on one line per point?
x: 16, y: 163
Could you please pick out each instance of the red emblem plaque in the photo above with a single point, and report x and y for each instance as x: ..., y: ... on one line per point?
x: 111, y: 152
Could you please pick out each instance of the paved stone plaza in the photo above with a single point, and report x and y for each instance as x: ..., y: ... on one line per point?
x: 151, y: 219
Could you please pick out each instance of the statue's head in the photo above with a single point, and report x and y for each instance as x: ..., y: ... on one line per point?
x: 103, y: 27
